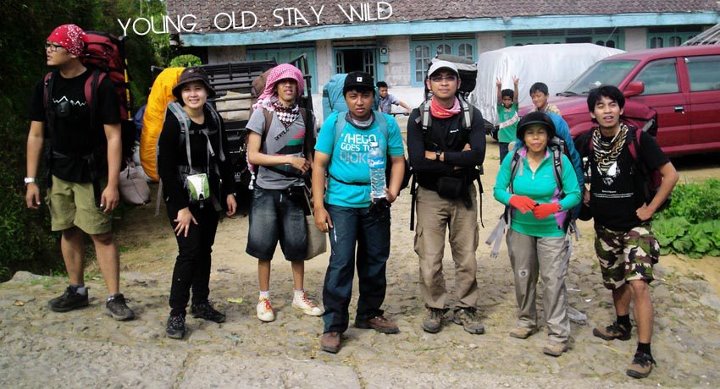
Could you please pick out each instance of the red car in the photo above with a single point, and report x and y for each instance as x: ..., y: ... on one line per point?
x: 681, y: 84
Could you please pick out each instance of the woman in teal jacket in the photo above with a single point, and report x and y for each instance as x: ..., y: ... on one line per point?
x: 537, y: 239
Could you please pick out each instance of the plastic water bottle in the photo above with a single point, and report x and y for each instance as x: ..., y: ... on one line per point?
x: 376, y: 161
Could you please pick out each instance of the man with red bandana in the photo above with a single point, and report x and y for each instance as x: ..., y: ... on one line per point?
x: 83, y: 171
x: 444, y: 157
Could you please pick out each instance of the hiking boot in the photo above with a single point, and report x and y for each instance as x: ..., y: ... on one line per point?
x: 522, y: 332
x: 554, y: 349
x: 69, y: 300
x: 330, y: 342
x: 433, y: 320
x: 306, y: 305
x: 118, y: 309
x: 378, y: 323
x: 613, y: 331
x: 641, y: 365
x: 175, y: 327
x: 468, y: 318
x: 207, y: 312
x: 265, y: 310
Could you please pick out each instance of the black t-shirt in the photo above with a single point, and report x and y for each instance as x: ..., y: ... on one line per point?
x: 448, y: 136
x: 73, y: 136
x: 616, y: 195
x: 173, y: 154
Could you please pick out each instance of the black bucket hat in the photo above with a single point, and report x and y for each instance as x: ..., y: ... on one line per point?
x: 191, y: 75
x: 535, y: 118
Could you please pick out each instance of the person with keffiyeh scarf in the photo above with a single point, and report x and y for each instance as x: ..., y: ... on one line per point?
x: 278, y: 149
x: 625, y: 245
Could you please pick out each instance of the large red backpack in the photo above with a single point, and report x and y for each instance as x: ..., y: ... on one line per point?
x: 104, y: 55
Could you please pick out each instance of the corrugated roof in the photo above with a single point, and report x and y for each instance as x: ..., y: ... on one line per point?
x: 413, y: 10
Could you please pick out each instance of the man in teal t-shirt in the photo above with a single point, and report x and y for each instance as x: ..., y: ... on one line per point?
x: 356, y: 223
x: 507, y: 110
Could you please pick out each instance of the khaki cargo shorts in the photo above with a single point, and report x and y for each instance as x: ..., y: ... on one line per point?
x: 72, y: 204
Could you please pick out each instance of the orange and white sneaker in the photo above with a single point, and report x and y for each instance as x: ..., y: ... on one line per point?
x: 265, y: 310
x: 303, y: 303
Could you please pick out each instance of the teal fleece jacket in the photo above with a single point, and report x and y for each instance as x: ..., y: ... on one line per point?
x: 541, y: 187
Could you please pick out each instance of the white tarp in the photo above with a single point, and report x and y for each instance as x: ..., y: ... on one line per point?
x: 556, y: 65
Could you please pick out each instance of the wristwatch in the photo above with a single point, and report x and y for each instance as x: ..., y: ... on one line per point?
x: 29, y: 180
x: 437, y: 155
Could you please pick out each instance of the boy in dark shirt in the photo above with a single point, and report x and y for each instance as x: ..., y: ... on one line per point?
x: 624, y: 243
x: 77, y: 201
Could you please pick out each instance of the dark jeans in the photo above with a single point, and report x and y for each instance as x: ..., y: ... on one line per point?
x: 277, y: 215
x: 192, y: 265
x: 371, y: 232
x: 503, y: 150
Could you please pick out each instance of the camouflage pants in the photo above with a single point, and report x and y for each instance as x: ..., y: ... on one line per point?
x: 626, y: 256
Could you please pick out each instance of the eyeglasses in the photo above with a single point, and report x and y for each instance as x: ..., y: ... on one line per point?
x: 53, y: 47
x: 450, y: 78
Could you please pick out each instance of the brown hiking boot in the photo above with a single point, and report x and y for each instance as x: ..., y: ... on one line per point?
x: 555, y: 349
x: 613, y: 331
x: 522, y: 332
x: 641, y: 365
x: 379, y: 324
x: 330, y: 342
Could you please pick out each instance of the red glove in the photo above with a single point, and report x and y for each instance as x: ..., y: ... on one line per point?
x: 522, y: 203
x: 544, y: 210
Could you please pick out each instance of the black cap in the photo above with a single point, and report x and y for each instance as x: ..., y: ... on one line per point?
x: 190, y: 75
x: 359, y: 81
x: 538, y: 118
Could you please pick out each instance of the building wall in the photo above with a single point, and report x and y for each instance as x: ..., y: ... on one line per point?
x: 397, y: 70
x: 635, y: 39
x: 224, y: 54
x: 489, y: 41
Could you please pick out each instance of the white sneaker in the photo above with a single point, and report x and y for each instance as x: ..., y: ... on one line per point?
x: 306, y: 305
x: 265, y: 310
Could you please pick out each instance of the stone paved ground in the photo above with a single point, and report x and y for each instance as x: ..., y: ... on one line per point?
x: 85, y: 348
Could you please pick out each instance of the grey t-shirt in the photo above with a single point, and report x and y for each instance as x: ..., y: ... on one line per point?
x: 278, y: 141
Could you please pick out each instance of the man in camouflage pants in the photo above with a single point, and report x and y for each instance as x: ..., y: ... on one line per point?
x: 625, y: 244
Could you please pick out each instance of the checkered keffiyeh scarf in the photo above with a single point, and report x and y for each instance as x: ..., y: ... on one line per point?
x: 607, y: 152
x: 286, y: 115
x: 280, y: 72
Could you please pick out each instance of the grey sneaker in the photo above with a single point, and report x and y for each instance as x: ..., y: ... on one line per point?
x: 118, y: 309
x: 555, y: 349
x: 433, y: 320
x: 68, y: 301
x: 468, y: 318
x: 175, y: 327
x: 641, y: 365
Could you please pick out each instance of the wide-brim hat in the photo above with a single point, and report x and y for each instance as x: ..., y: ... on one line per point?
x: 193, y: 74
x: 535, y: 118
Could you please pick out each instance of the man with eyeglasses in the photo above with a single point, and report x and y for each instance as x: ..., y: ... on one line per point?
x: 446, y: 142
x: 82, y: 152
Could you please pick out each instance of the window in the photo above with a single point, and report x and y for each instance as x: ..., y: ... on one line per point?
x: 674, y: 41
x: 670, y: 36
x: 423, y: 51
x: 659, y: 77
x: 656, y: 42
x: 466, y: 51
x: 609, y: 37
x: 422, y: 59
x: 703, y: 73
x: 443, y: 49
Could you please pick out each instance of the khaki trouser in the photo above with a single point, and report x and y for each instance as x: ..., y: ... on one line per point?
x: 549, y: 258
x: 434, y: 215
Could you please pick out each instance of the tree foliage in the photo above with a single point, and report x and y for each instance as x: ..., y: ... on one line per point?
x: 25, y: 240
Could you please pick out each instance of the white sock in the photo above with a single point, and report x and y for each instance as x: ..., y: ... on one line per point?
x: 80, y: 289
x: 264, y: 294
x: 298, y: 293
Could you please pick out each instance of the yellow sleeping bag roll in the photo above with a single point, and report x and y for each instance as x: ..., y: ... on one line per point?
x: 160, y: 96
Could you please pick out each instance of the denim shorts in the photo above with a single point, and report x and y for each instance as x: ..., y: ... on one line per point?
x: 277, y: 216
